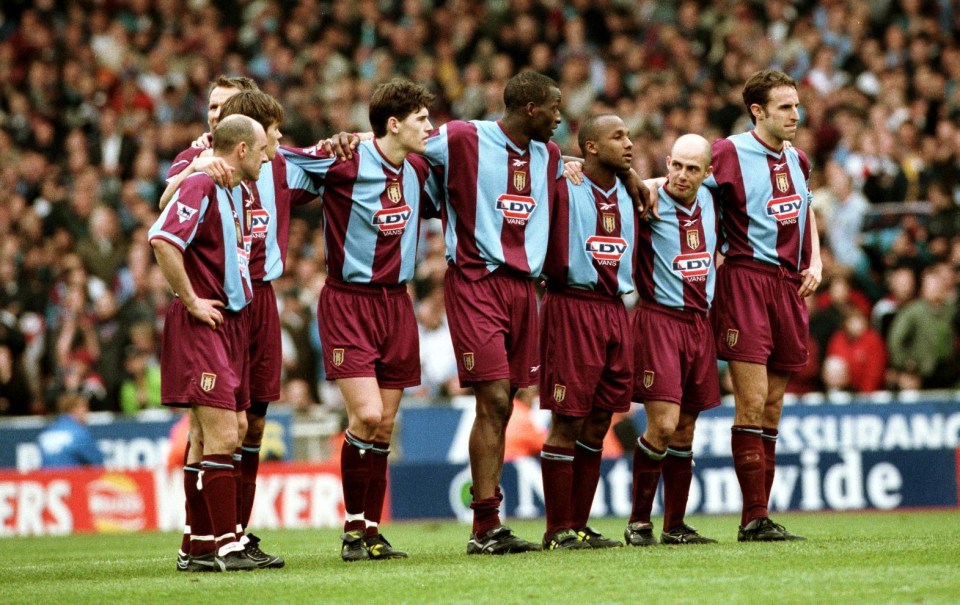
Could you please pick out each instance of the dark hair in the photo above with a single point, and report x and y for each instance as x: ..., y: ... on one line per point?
x: 589, y: 130
x: 397, y: 98
x: 230, y: 131
x: 238, y: 82
x: 758, y: 86
x: 254, y: 104
x: 527, y: 87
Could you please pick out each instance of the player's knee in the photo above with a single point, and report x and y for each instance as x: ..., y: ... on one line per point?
x: 661, y: 430
x: 385, y: 428
x: 495, y: 407
x: 255, y: 428
x: 369, y: 419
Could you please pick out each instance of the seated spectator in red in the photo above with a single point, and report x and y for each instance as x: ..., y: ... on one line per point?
x: 863, y: 350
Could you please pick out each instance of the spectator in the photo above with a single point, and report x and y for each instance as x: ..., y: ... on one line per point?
x: 861, y: 349
x: 68, y: 442
x: 140, y: 389
x: 922, y: 339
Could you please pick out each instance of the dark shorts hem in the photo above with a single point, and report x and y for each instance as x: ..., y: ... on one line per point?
x: 782, y: 367
x: 398, y: 385
x: 269, y: 398
x: 231, y: 405
x: 465, y: 382
x: 386, y: 384
x: 581, y: 412
x: 744, y: 358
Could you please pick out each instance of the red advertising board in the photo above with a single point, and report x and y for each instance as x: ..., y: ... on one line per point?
x: 59, y: 502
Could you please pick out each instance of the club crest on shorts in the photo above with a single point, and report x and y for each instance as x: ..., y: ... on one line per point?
x: 783, y: 184
x: 468, y: 362
x: 609, y: 222
x: 693, y: 239
x: 732, y: 337
x: 338, y: 356
x: 208, y: 380
x: 559, y: 392
x: 519, y: 180
x: 648, y: 377
x: 394, y: 193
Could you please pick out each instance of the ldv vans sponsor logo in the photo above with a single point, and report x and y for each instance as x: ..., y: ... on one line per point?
x: 695, y: 265
x: 606, y: 250
x: 516, y: 209
x: 392, y: 221
x: 784, y: 209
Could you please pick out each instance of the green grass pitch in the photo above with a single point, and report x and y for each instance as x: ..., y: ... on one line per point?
x: 850, y: 558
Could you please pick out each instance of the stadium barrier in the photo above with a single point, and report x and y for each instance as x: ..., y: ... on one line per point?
x: 60, y: 502
x: 853, y: 456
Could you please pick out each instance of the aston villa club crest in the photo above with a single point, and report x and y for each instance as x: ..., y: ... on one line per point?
x: 519, y: 180
x: 732, y: 337
x: 693, y: 239
x: 338, y: 355
x: 648, y: 377
x: 394, y: 192
x: 559, y: 392
x: 783, y: 183
x: 208, y: 380
x: 609, y: 222
x: 468, y: 362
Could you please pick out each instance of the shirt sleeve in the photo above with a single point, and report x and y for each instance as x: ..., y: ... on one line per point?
x: 438, y: 147
x: 182, y: 160
x: 307, y: 170
x: 179, y: 221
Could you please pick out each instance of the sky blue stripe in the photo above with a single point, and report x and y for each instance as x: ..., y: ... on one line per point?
x: 709, y: 217
x: 408, y: 241
x: 266, y: 185
x: 583, y: 224
x: 628, y: 231
x: 233, y: 280
x: 539, y: 223
x: 491, y: 183
x: 762, y: 228
x: 667, y: 284
x: 360, y: 241
x: 437, y: 154
x: 799, y: 185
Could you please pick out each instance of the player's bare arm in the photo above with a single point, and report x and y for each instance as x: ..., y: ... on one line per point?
x: 342, y: 144
x: 813, y: 275
x: 219, y: 170
x: 170, y: 260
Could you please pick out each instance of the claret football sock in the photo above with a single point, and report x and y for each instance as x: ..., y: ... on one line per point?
x: 647, y: 464
x: 746, y: 441
x: 586, y: 476
x: 556, y: 465
x: 355, y: 457
x: 677, y: 474
x: 376, y: 485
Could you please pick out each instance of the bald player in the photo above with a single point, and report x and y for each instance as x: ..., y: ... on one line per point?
x: 585, y: 343
x: 675, y: 365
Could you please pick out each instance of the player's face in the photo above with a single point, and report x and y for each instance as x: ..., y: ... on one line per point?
x: 255, y: 157
x: 779, y: 118
x: 614, y: 147
x: 273, y: 140
x: 686, y: 171
x: 413, y: 131
x: 545, y: 118
x: 218, y: 96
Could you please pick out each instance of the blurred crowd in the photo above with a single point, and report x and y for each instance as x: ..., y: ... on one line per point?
x: 97, y: 97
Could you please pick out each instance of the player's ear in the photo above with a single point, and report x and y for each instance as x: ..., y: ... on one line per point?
x: 709, y: 171
x: 757, y: 110
x: 393, y: 125
x: 668, y: 163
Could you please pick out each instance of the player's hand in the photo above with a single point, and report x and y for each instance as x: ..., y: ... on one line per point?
x: 639, y: 192
x: 573, y: 171
x: 219, y: 170
x: 342, y: 144
x: 653, y: 187
x: 207, y: 311
x: 204, y: 141
x: 812, y: 277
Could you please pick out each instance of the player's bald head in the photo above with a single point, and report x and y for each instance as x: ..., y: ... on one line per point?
x: 594, y: 127
x: 692, y: 146
x: 231, y: 130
